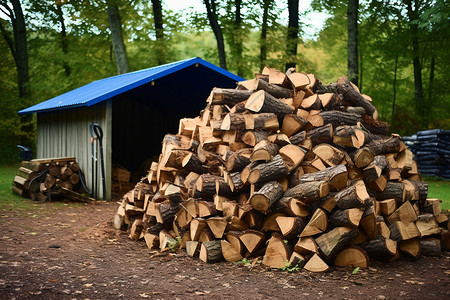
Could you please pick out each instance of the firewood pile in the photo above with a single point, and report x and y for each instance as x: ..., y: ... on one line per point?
x: 289, y: 170
x: 48, y: 178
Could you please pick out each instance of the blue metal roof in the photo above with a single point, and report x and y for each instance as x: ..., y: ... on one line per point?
x: 104, y: 89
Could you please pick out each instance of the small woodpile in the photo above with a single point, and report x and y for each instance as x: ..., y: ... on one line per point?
x: 290, y: 170
x: 42, y: 179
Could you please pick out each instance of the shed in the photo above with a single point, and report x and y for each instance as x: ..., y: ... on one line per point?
x: 135, y: 111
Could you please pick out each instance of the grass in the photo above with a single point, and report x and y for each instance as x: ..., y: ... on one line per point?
x: 439, y: 189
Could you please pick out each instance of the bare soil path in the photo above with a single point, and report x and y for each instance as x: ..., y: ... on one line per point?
x: 72, y: 252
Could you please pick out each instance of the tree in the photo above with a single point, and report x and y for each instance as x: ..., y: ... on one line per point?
x: 263, y: 40
x: 214, y: 23
x: 18, y: 48
x: 352, y: 41
x: 115, y: 24
x: 292, y: 34
x: 159, y: 30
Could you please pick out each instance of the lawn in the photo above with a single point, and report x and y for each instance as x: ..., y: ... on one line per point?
x: 439, y: 189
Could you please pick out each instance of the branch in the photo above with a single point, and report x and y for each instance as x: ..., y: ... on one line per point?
x: 6, y: 9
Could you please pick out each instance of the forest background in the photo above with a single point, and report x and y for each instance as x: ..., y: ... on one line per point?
x: 397, y: 52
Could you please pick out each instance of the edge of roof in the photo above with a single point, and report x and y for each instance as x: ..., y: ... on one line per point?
x: 178, y: 65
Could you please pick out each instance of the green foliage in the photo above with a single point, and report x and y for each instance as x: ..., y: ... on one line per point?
x: 355, y: 271
x: 440, y: 189
x: 289, y: 268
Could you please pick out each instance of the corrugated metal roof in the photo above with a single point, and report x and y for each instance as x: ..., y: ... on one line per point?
x: 104, y: 89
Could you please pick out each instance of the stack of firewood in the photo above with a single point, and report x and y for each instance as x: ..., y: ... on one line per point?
x: 290, y: 170
x: 40, y: 179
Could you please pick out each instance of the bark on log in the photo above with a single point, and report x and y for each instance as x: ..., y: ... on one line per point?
x: 263, y: 102
x: 263, y: 199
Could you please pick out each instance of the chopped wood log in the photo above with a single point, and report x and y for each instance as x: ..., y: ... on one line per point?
x: 375, y: 126
x: 335, y: 118
x: 368, y: 223
x: 317, y: 224
x: 362, y: 157
x: 353, y: 97
x: 290, y: 226
x: 269, y: 171
x: 217, y: 226
x: 354, y: 196
x: 336, y: 176
x: 252, y: 138
x: 395, y: 190
x: 297, y: 260
x: 229, y: 96
x: 292, y: 156
x: 430, y: 247
x: 308, y: 192
x: 298, y: 138
x: 229, y: 208
x: 346, y: 217
x: 410, y: 248
x: 306, y: 246
x: 352, y: 257
x: 206, y: 209
x: 263, y: 199
x: 384, y: 146
x: 427, y: 225
x: 192, y: 163
x: 263, y: 102
x: 320, y: 135
x: 165, y: 212
x: 136, y: 229
x: 235, y: 182
x: 299, y: 80
x: 329, y: 154
x: 205, y: 186
x: 264, y: 151
x: 238, y: 160
x: 277, y: 253
x: 235, y: 242
x: 316, y: 264
x: 193, y: 248
x: 211, y: 251
x: 380, y: 248
x: 383, y: 229
x: 151, y: 240
x: 404, y: 213
x: 229, y: 253
x: 374, y: 170
x: 292, y: 207
x: 270, y: 223
x: 206, y: 236
x: 196, y: 227
x: 292, y: 124
x: 432, y: 206
x: 311, y: 102
x: 167, y: 241
x: 252, y: 239
x: 332, y: 242
x: 272, y: 89
x: 401, y: 231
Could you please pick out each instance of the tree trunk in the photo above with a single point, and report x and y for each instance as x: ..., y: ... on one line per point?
x: 118, y: 44
x: 414, y: 27
x: 159, y: 31
x: 212, y: 17
x: 263, y: 40
x: 64, y: 41
x: 238, y: 39
x: 394, y: 89
x: 352, y: 41
x: 292, y: 34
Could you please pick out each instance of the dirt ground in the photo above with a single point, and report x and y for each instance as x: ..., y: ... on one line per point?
x: 73, y: 252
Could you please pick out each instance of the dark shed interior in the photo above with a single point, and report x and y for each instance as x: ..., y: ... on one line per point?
x: 143, y: 115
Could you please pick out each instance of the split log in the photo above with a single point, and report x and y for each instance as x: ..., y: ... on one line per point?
x: 211, y: 251
x: 273, y: 89
x: 292, y: 124
x: 427, y: 225
x: 297, y: 260
x: 380, y: 248
x: 277, y: 253
x: 346, y: 217
x: 332, y: 242
x: 292, y: 156
x: 196, y: 227
x: 353, y: 97
x: 362, y: 157
x: 306, y: 246
x: 252, y: 137
x: 316, y: 264
x: 320, y: 135
x: 352, y: 257
x: 395, y: 190
x: 252, y: 239
x: 238, y: 160
x: 264, y: 151
x: 235, y: 241
x: 404, y: 213
x: 317, y: 224
x: 401, y: 231
x: 290, y: 226
x: 335, y: 118
x: 354, y: 196
x: 229, y: 253
x: 430, y: 247
x: 374, y: 170
x: 263, y: 102
x: 410, y: 248
x: 193, y: 248
x: 271, y: 170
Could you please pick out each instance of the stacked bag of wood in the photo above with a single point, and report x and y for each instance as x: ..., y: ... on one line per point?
x: 41, y: 179
x: 290, y: 170
x: 432, y: 151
